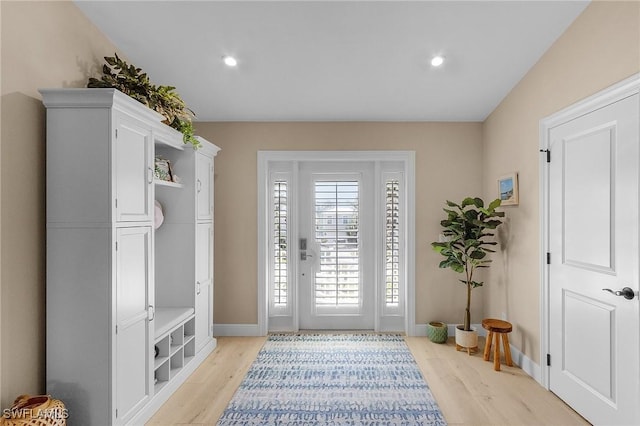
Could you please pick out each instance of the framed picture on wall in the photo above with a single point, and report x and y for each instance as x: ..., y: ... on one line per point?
x: 508, y: 187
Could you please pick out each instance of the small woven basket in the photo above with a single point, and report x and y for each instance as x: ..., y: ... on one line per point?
x: 437, y: 332
x: 35, y: 410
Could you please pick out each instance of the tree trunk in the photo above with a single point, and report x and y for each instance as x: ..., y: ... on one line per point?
x: 467, y: 311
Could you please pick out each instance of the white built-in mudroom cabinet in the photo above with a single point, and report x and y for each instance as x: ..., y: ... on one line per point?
x: 129, y: 307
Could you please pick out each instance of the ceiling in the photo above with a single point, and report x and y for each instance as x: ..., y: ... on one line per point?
x: 335, y: 60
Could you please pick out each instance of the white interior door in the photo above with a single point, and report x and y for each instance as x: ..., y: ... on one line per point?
x: 336, y: 279
x: 593, y: 239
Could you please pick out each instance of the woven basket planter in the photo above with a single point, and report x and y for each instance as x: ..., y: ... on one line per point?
x: 35, y: 410
x: 437, y: 332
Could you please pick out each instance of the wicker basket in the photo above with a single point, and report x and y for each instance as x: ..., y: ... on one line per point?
x: 437, y: 332
x: 35, y: 410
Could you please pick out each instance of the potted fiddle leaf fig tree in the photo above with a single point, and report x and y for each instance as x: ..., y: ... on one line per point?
x: 467, y: 232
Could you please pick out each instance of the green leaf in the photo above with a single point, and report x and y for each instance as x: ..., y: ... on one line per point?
x: 457, y: 267
x: 477, y: 254
x: 468, y: 202
x: 495, y: 204
x: 131, y: 81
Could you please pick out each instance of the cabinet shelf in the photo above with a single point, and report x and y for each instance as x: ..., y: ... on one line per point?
x: 159, y: 361
x: 160, y: 182
x: 168, y: 318
x: 175, y: 348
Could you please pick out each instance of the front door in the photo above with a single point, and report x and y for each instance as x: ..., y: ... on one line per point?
x: 593, y: 240
x: 336, y: 246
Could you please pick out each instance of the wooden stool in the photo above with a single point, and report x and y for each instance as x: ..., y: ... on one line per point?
x: 497, y: 328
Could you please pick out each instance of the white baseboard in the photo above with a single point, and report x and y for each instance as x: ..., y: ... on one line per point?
x: 526, y: 364
x: 239, y: 330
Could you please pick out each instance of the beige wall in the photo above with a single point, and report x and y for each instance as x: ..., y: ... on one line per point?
x: 44, y: 44
x: 602, y: 47
x: 448, y: 166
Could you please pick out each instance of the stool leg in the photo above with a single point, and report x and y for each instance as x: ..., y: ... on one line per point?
x: 496, y: 352
x: 507, y: 349
x: 487, y: 346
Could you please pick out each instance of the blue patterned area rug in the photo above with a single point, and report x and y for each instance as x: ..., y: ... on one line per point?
x: 333, y: 379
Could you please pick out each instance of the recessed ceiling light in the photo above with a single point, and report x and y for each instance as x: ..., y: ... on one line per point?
x: 230, y: 61
x: 436, y: 61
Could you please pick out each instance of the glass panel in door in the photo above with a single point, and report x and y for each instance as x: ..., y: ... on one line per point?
x: 336, y: 218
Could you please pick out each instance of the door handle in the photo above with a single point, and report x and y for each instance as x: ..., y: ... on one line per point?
x: 152, y: 311
x: 626, y: 292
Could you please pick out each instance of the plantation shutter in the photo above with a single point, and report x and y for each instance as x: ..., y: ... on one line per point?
x: 336, y: 216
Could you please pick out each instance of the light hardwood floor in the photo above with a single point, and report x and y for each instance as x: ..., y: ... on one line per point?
x: 467, y: 388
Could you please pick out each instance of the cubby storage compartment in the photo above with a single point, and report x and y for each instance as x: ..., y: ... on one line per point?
x: 161, y: 375
x: 163, y: 351
x: 174, y: 339
x: 177, y: 361
x: 177, y: 339
x: 189, y: 340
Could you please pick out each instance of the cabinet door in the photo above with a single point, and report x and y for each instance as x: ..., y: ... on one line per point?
x: 133, y: 340
x: 204, y: 186
x: 204, y: 283
x: 133, y: 174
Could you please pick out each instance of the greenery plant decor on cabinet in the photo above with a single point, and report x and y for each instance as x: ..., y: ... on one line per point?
x: 467, y: 230
x: 131, y: 81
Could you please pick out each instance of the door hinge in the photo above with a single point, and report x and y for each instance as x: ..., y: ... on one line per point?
x: 116, y: 329
x: 548, y: 258
x: 548, y: 360
x: 116, y: 203
x: 116, y: 246
x: 116, y: 413
x: 116, y: 133
x: 548, y: 154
